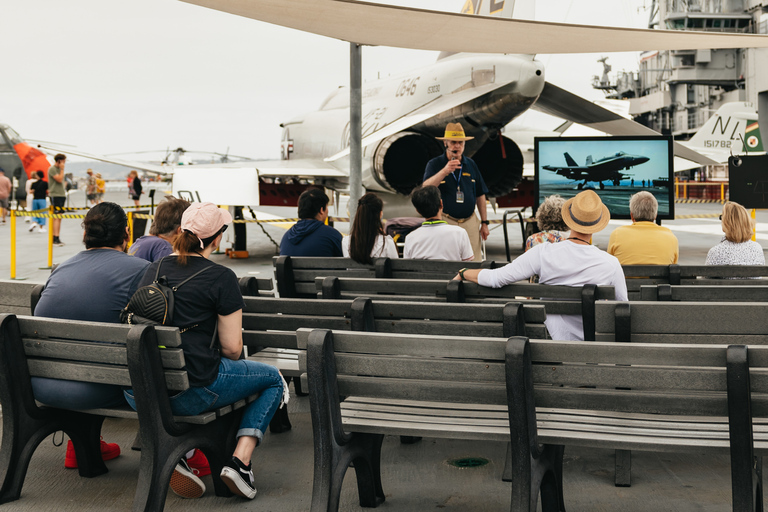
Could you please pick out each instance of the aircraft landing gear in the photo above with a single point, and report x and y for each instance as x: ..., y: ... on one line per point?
x: 580, y: 186
x: 602, y: 185
x: 617, y: 182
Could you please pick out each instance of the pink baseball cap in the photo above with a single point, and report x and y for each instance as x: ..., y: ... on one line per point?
x: 204, y: 220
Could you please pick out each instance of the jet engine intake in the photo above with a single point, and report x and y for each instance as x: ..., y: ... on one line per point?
x: 501, y: 164
x: 400, y: 159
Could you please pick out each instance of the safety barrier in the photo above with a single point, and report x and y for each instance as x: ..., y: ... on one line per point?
x: 700, y: 191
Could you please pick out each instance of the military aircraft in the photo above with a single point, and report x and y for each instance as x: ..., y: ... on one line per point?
x: 598, y: 171
x: 19, y: 159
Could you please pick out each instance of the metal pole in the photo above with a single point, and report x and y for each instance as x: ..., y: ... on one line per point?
x: 355, y: 128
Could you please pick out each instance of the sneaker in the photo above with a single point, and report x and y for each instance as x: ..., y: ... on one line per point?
x: 57, y: 242
x: 33, y: 227
x: 108, y: 452
x: 42, y: 229
x: 239, y: 478
x: 185, y: 482
x: 199, y: 463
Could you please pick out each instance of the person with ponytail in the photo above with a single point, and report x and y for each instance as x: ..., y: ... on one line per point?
x: 94, y: 285
x: 367, y: 239
x: 208, y: 309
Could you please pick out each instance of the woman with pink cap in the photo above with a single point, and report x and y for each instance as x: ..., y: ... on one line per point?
x: 209, y: 312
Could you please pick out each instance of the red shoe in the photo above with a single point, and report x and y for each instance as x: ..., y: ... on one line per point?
x: 108, y: 452
x: 199, y: 462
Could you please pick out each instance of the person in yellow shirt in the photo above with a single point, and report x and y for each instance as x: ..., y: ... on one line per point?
x: 101, y: 187
x: 643, y: 242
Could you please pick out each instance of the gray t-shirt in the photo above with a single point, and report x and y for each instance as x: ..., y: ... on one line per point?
x: 93, y: 285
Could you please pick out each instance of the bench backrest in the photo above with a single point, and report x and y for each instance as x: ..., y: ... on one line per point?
x: 638, y: 276
x: 296, y: 275
x: 706, y: 293
x: 404, y: 367
x: 273, y: 322
x: 675, y: 380
x: 682, y: 322
x: 14, y: 297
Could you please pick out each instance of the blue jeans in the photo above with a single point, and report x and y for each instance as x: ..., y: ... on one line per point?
x: 70, y: 394
x: 39, y: 204
x: 236, y: 380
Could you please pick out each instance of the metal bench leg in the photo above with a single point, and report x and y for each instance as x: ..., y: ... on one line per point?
x: 623, y: 477
x: 85, y: 432
x: 19, y: 444
x: 297, y: 387
x: 506, y: 475
x: 368, y: 471
x: 280, y: 422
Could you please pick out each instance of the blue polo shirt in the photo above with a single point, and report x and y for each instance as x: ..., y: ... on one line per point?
x: 470, y: 181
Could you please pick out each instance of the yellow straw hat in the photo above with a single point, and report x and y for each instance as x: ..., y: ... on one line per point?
x: 454, y: 131
x: 586, y: 213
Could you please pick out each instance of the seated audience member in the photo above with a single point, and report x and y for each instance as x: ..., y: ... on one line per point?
x: 643, y: 242
x: 737, y: 246
x: 552, y: 229
x: 164, y: 230
x: 310, y: 236
x: 435, y: 239
x: 211, y: 305
x: 574, y: 262
x: 367, y: 239
x: 94, y: 285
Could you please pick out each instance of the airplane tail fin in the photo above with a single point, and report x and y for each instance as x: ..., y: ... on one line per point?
x: 570, y: 161
x: 728, y: 127
x: 589, y: 160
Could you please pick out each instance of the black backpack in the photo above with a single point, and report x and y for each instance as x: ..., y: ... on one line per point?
x: 153, y: 304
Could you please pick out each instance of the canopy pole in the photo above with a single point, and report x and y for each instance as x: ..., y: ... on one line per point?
x: 355, y: 128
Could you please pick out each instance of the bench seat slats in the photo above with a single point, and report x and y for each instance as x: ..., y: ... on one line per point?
x: 296, y: 306
x: 300, y: 275
x: 177, y: 380
x: 40, y: 327
x: 407, y: 389
x: 255, y: 321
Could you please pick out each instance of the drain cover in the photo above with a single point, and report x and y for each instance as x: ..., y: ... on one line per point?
x: 468, y: 462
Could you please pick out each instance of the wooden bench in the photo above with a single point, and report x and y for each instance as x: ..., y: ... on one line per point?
x: 116, y: 354
x: 296, y: 275
x: 671, y: 398
x: 14, y: 297
x: 558, y: 300
x: 269, y: 325
x: 638, y: 276
x: 706, y: 293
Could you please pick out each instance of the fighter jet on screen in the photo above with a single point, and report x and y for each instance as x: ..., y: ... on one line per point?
x: 598, y: 171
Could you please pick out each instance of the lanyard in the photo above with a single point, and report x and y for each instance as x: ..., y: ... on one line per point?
x: 432, y: 222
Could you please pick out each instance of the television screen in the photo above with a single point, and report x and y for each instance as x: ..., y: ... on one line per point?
x: 614, y: 167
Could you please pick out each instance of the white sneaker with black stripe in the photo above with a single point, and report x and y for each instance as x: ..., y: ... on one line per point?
x: 239, y: 478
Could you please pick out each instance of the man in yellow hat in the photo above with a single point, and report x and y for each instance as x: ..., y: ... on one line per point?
x: 461, y: 186
x: 573, y: 262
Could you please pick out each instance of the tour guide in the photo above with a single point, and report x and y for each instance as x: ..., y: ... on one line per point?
x: 461, y: 186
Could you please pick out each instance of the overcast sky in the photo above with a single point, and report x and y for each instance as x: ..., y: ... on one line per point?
x: 119, y: 76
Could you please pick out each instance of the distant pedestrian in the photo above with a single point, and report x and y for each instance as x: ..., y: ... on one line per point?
x: 58, y: 194
x: 91, y: 189
x: 737, y: 246
x: 101, y: 187
x: 134, y: 188
x: 5, y: 194
x: 39, y: 190
x: 367, y: 239
x: 310, y: 236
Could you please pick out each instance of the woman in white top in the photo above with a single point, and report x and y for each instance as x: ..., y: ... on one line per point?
x: 736, y: 247
x: 367, y: 239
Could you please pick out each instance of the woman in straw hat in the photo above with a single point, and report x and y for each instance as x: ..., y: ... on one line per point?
x: 574, y: 262
x: 461, y: 186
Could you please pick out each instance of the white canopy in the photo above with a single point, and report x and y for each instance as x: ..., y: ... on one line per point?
x: 404, y: 27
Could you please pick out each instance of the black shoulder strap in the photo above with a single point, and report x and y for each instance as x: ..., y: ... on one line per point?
x: 174, y: 288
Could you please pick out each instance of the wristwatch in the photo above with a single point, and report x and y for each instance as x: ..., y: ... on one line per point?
x: 461, y: 273
x: 485, y: 222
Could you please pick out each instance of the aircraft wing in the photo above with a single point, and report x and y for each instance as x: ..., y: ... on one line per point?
x: 141, y: 166
x: 561, y: 103
x: 433, y: 108
x: 300, y: 168
x: 403, y: 27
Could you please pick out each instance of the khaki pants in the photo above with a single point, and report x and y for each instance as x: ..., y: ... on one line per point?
x: 472, y: 226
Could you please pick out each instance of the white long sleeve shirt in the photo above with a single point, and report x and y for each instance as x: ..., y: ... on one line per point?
x: 563, y: 263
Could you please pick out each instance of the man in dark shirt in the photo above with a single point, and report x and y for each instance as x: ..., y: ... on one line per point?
x: 310, y: 236
x: 461, y: 187
x: 165, y: 228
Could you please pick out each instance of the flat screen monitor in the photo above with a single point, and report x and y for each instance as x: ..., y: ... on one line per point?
x: 614, y: 167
